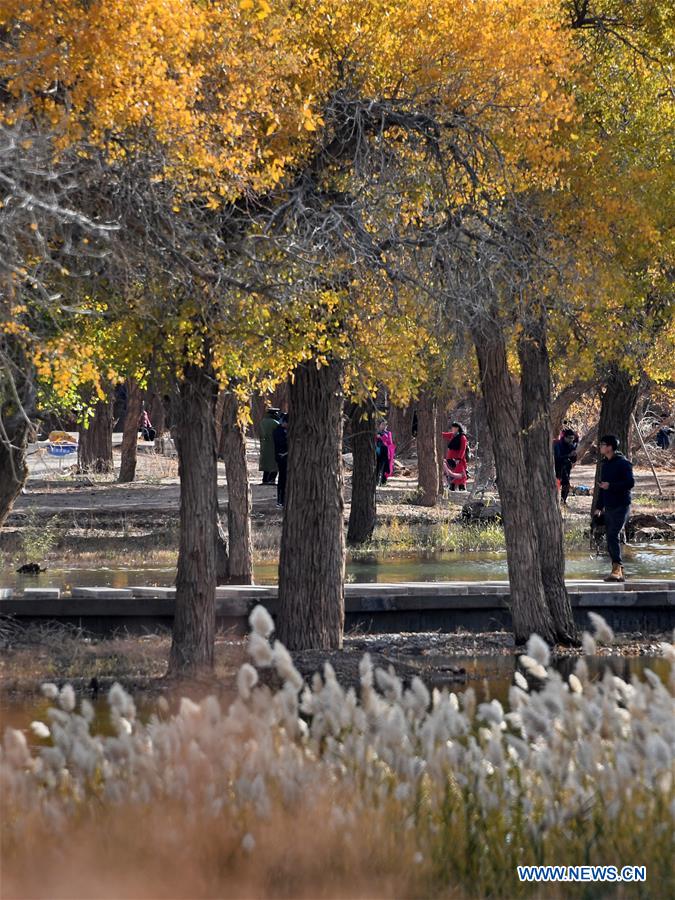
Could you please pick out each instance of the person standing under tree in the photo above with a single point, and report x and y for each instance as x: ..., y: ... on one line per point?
x: 455, y: 457
x: 267, y: 463
x: 565, y: 455
x: 280, y: 437
x: 385, y: 450
x: 616, y: 481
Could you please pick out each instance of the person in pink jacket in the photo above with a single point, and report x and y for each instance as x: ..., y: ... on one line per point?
x: 385, y: 449
x: 454, y: 464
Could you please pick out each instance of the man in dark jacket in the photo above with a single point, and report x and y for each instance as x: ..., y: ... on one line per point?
x: 565, y: 455
x: 616, y: 481
x: 280, y: 436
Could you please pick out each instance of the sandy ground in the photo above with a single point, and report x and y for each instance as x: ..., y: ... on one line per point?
x: 50, y: 489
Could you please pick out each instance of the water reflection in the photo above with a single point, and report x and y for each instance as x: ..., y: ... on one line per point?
x: 489, y: 676
x: 647, y: 561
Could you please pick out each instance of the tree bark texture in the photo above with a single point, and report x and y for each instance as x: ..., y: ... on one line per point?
x: 400, y: 424
x: 218, y: 420
x: 485, y: 458
x: 130, y: 433
x: 94, y: 452
x: 427, y: 449
x: 17, y: 407
x: 13, y: 467
x: 529, y: 609
x: 585, y: 451
x: 562, y: 402
x: 541, y: 490
x: 363, y: 511
x: 616, y: 407
x: 441, y: 447
x: 312, y: 560
x: 239, y: 503
x: 157, y: 411
x: 195, y: 616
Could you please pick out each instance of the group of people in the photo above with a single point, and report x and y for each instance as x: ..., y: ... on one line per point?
x: 454, y: 458
x: 616, y: 477
x: 273, y: 458
x: 274, y: 451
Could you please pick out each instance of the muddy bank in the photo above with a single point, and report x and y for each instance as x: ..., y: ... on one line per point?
x: 32, y: 656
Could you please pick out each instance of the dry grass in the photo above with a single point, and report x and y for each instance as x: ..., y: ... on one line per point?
x: 161, y: 853
x: 36, y: 653
x: 296, y: 791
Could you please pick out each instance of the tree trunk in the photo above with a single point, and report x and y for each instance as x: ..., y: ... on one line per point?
x: 195, y: 616
x: 485, y: 458
x: 258, y: 406
x: 13, y: 466
x: 541, y: 490
x: 441, y: 422
x: 617, y: 404
x: 363, y: 511
x: 218, y: 419
x: 529, y: 609
x: 400, y: 420
x: 157, y: 411
x: 239, y: 503
x: 222, y: 543
x: 562, y: 402
x: 94, y: 452
x: 130, y: 434
x: 312, y: 561
x: 427, y: 450
x: 586, y: 444
x: 222, y: 554
x: 279, y: 397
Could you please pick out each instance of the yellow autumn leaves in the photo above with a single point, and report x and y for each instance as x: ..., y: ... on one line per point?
x: 235, y: 97
x: 234, y: 91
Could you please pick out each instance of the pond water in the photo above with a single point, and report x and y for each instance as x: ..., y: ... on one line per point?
x: 489, y: 676
x: 492, y: 676
x: 643, y: 561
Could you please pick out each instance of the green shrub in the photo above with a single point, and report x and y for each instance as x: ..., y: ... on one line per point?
x: 39, y: 537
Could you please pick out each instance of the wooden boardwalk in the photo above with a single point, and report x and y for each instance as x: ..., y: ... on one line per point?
x: 647, y: 606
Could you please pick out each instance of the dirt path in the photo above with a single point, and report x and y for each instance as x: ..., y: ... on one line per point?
x: 161, y: 494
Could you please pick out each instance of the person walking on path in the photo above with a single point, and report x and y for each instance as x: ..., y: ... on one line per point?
x: 565, y: 455
x: 267, y: 463
x: 280, y: 437
x: 616, y: 481
x: 385, y: 450
x: 455, y: 457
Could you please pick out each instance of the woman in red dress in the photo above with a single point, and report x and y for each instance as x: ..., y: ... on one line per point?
x: 455, y: 457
